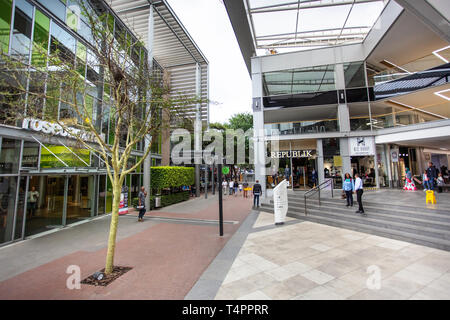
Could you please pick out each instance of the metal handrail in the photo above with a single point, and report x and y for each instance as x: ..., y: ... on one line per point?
x: 317, y: 189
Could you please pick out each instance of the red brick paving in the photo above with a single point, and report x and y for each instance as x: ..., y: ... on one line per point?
x: 167, y: 260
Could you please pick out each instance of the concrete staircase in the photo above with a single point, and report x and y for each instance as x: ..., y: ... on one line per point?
x: 424, y: 226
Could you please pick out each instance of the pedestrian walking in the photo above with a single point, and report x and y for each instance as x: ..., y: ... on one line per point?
x: 425, y: 181
x: 236, y: 187
x: 432, y: 175
x: 230, y: 186
x: 257, y: 190
x: 224, y: 186
x: 359, y: 192
x: 240, y: 188
x: 349, y: 187
x: 245, y: 185
x: 141, y: 207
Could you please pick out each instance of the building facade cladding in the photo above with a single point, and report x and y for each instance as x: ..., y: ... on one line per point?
x: 327, y: 100
x: 47, y: 182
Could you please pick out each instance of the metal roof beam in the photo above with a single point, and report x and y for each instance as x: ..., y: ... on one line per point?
x: 310, y: 4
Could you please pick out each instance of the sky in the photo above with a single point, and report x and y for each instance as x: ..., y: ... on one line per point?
x: 229, y: 82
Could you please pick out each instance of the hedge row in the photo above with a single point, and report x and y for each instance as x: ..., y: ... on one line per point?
x: 166, y: 200
x: 167, y: 177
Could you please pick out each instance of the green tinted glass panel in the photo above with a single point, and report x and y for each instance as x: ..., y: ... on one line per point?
x: 71, y: 20
x: 81, y: 59
x: 5, y: 24
x: 48, y: 160
x: 40, y: 47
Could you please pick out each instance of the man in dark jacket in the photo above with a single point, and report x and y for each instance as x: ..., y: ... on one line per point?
x: 431, y: 174
x: 257, y: 190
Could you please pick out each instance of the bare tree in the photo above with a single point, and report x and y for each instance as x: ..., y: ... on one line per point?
x: 74, y: 92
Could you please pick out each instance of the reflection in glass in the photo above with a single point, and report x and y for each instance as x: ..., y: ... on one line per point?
x: 30, y: 155
x: 45, y: 204
x: 80, y: 202
x: 21, y: 39
x: 354, y: 75
x: 9, y: 156
x: 5, y: 24
x: 40, y: 38
x: 101, y: 195
x: 21, y: 202
x: 8, y: 190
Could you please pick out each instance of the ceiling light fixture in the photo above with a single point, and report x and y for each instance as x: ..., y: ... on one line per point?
x: 439, y: 56
x: 440, y: 94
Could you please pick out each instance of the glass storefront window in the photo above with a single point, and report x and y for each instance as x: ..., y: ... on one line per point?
x: 81, y: 198
x: 359, y: 116
x: 102, y: 195
x: 9, y: 156
x: 21, y: 40
x: 45, y: 204
x: 303, y: 127
x: 8, y: 189
x: 5, y: 24
x: 303, y: 80
x: 332, y: 161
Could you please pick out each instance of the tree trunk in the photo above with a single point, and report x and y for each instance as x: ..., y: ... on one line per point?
x: 117, y: 189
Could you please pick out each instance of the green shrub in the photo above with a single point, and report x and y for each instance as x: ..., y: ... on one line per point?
x: 168, y: 177
x: 166, y: 200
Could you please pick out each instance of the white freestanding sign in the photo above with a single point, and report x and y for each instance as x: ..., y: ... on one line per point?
x: 280, y: 202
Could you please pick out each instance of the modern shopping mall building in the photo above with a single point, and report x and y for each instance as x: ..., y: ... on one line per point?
x: 71, y: 182
x: 347, y: 86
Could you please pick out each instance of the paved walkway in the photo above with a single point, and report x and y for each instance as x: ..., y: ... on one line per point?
x: 167, y: 256
x: 304, y: 260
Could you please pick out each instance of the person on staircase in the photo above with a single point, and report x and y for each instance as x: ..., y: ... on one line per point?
x: 349, y: 187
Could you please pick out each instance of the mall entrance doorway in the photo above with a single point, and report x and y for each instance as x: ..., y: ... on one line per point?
x: 303, y: 169
x: 365, y: 167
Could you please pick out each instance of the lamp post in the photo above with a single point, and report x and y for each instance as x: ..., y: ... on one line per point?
x: 219, y: 180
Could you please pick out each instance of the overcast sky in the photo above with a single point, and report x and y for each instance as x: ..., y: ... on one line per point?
x: 229, y: 82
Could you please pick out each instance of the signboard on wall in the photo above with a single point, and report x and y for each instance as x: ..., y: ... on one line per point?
x: 394, y: 155
x: 362, y: 146
x: 337, y: 161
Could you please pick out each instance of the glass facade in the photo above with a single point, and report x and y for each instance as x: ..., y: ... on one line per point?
x: 35, y: 196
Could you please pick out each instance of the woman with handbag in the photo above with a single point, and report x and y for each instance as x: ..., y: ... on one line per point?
x: 348, y: 186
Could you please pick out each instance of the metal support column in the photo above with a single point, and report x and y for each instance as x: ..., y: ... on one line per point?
x: 66, y: 189
x: 147, y: 140
x: 197, y: 130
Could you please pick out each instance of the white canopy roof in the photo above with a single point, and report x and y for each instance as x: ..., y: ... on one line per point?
x: 172, y: 44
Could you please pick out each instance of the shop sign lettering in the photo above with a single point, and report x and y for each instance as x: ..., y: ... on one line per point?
x: 293, y: 154
x: 56, y: 129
